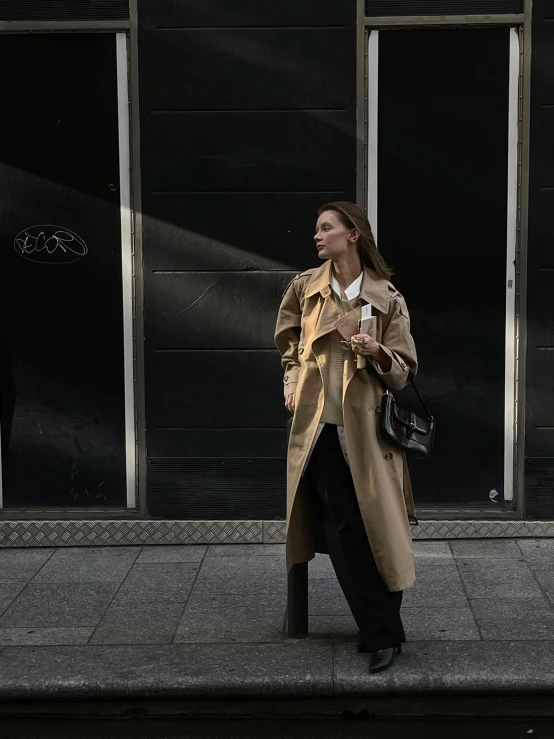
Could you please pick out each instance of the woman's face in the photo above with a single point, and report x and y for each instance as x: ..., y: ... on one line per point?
x: 332, y: 238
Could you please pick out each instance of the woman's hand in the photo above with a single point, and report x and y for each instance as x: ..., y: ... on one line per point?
x: 365, y: 346
x: 290, y: 403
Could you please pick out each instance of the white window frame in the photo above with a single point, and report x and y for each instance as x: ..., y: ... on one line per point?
x: 127, y: 265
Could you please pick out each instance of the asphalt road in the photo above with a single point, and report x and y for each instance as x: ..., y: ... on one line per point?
x: 272, y: 729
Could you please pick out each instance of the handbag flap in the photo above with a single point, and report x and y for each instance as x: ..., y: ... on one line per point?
x: 410, y: 420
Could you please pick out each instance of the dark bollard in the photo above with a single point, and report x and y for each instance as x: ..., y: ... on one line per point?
x: 297, y: 601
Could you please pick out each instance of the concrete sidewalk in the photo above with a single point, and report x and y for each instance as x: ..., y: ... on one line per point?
x: 199, y: 622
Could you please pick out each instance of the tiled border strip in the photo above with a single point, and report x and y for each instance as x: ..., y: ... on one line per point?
x: 133, y: 533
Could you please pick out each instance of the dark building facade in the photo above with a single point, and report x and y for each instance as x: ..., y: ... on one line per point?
x: 162, y: 167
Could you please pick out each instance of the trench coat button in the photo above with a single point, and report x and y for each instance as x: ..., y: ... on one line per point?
x: 301, y: 351
x: 388, y: 455
x: 286, y: 378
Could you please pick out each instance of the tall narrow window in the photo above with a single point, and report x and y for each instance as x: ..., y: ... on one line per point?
x: 62, y: 377
x: 440, y: 104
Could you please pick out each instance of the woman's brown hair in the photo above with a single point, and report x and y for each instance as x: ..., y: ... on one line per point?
x: 351, y: 216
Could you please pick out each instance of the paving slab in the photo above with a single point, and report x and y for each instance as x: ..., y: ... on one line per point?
x: 230, y: 626
x: 421, y: 624
x: 149, y: 623
x: 333, y: 627
x: 217, y: 617
x: 271, y: 602
x: 387, y: 726
x: 320, y: 567
x: 436, y: 587
x: 155, y: 583
x: 247, y: 550
x: 545, y: 577
x: 461, y: 667
x: 9, y: 590
x: 233, y: 565
x: 439, y: 624
x: 243, y: 583
x: 94, y: 564
x: 528, y: 619
x: 59, y: 605
x: 22, y: 563
x: 242, y: 575
x: 295, y: 669
x: 537, y: 552
x: 486, y: 549
x: 497, y: 577
x: 156, y: 555
x: 432, y: 553
x: 16, y: 637
x: 325, y: 598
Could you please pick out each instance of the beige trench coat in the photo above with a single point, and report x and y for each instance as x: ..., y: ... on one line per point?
x: 379, y: 471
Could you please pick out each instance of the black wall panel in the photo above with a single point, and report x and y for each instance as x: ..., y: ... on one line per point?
x: 541, y: 256
x: 212, y: 489
x: 233, y: 230
x: 268, y: 150
x: 55, y: 10
x: 215, y: 389
x: 540, y: 304
x: 539, y: 440
x: 222, y: 13
x: 202, y: 310
x: 543, y: 127
x: 208, y: 443
x: 441, y: 7
x: 542, y: 11
x: 247, y: 127
x: 539, y: 446
x: 247, y: 69
x: 539, y: 478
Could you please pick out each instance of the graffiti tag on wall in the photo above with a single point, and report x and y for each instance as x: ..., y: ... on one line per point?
x: 50, y: 245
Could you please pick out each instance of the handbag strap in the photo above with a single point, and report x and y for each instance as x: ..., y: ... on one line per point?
x: 429, y: 416
x: 420, y: 397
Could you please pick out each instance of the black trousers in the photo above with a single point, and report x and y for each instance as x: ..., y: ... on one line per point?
x: 376, y: 610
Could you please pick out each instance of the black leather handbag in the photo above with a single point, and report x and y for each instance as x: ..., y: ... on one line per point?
x: 404, y: 429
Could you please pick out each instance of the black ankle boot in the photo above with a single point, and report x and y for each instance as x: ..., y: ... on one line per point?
x: 382, y: 659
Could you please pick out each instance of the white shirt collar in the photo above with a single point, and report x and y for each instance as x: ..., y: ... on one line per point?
x: 352, y: 291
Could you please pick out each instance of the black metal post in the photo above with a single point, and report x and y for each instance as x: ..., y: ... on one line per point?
x: 297, y: 601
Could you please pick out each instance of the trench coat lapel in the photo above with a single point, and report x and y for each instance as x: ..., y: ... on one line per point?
x: 375, y: 291
x: 320, y: 279
x: 328, y: 317
x: 330, y: 313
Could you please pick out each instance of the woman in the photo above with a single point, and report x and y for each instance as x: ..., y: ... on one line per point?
x: 343, y: 332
